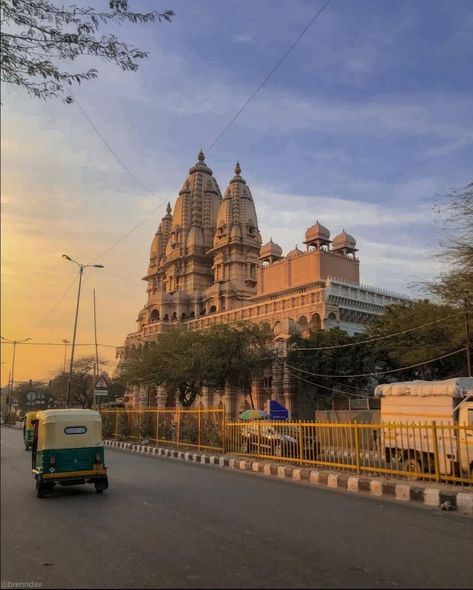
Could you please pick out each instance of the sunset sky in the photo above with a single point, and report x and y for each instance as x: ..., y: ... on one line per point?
x: 363, y: 127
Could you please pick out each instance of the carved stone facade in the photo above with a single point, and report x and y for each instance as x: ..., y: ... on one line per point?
x: 207, y: 266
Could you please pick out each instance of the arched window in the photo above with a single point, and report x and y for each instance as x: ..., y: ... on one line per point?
x: 302, y: 321
x: 315, y: 322
x: 213, y: 309
x: 192, y: 314
x: 166, y: 318
x: 154, y: 317
x: 332, y: 316
x: 174, y: 316
x: 183, y: 315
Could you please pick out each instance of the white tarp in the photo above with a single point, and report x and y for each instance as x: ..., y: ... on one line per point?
x: 458, y: 387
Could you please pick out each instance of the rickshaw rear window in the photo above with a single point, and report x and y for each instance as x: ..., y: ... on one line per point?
x: 75, y: 429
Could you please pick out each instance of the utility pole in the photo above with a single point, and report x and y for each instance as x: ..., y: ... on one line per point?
x: 65, y: 342
x: 14, y: 342
x: 96, y: 376
x: 81, y: 272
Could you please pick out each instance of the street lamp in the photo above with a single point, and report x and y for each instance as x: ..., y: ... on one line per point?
x: 81, y: 270
x: 14, y: 342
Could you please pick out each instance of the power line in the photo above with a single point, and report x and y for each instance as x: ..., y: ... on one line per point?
x: 229, y: 124
x: 134, y: 228
x: 381, y: 372
x: 332, y: 389
x: 110, y: 149
x: 53, y: 308
x: 62, y: 344
x: 377, y: 338
x: 268, y: 76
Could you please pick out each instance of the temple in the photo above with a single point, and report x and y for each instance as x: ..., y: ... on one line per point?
x: 208, y: 265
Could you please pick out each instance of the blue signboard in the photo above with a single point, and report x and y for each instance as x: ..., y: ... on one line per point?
x: 277, y: 411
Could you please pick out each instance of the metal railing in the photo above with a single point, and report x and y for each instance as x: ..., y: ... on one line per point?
x: 200, y: 428
x: 428, y: 451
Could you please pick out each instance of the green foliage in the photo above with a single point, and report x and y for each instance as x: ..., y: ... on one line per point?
x: 21, y: 394
x: 189, y: 360
x: 419, y: 345
x: 336, y: 361
x: 108, y: 424
x: 123, y: 426
x: 387, y: 354
x: 146, y: 426
x: 82, y: 384
x: 37, y: 36
x: 188, y: 428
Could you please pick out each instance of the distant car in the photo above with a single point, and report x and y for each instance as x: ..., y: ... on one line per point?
x: 277, y: 440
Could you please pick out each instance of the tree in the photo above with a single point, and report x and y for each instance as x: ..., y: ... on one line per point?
x: 415, y: 347
x: 190, y: 360
x: 42, y: 399
x: 344, y: 360
x: 36, y: 36
x: 455, y: 285
x: 380, y: 357
x: 82, y: 383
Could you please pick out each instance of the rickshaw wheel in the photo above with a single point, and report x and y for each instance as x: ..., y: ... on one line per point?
x: 101, y: 485
x: 40, y: 489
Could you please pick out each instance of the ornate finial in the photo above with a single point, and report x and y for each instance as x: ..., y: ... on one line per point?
x: 237, y: 169
x: 201, y: 156
x: 168, y: 208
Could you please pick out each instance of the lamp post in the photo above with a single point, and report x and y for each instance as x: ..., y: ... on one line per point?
x: 14, y: 342
x: 82, y: 267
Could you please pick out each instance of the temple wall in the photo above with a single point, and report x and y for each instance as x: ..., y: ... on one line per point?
x: 309, y: 267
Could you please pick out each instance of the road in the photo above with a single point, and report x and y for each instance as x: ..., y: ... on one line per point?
x: 170, y: 524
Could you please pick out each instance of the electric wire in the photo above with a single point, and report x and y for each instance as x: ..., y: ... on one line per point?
x: 381, y: 372
x: 114, y: 154
x: 268, y: 76
x: 220, y: 135
x: 378, y: 338
x: 53, y: 308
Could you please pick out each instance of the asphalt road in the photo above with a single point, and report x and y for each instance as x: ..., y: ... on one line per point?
x: 169, y: 524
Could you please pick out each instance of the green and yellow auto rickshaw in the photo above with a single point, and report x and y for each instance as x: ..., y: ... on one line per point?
x: 28, y: 429
x: 68, y: 449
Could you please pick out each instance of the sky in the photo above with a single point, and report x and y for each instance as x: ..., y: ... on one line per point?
x: 365, y: 126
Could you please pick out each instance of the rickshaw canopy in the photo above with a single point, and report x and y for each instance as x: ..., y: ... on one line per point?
x: 70, y: 428
x: 28, y: 418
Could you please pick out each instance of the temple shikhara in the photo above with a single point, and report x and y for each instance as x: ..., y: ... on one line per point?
x: 208, y: 265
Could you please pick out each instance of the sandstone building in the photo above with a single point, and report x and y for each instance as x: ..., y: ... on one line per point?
x: 208, y: 265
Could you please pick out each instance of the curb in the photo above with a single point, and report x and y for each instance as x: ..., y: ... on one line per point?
x: 415, y: 492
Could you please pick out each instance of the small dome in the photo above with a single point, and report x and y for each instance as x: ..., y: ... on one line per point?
x: 317, y: 232
x: 295, y: 252
x: 168, y: 212
x: 270, y: 249
x: 344, y: 240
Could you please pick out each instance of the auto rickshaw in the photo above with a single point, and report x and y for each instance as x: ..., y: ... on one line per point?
x: 28, y: 429
x: 68, y: 449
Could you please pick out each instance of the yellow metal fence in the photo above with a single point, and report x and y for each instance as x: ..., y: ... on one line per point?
x: 202, y: 429
x: 428, y: 451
